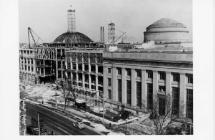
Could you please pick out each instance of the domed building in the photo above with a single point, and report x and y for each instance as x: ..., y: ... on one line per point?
x: 167, y: 31
x: 73, y: 38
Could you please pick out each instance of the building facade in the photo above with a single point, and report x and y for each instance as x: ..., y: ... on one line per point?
x: 27, y: 65
x: 135, y: 80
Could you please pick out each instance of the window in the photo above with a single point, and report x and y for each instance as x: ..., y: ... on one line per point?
x: 68, y: 65
x: 175, y: 101
x: 175, y: 77
x: 149, y: 74
x: 80, y: 67
x: 109, y: 94
x: 86, y: 67
x: 100, y: 69
x: 87, y: 78
x: 128, y: 92
x: 109, y: 82
x: 59, y: 74
x: 32, y: 69
x: 93, y: 68
x: 119, y: 71
x: 139, y: 96
x: 109, y: 70
x: 189, y: 113
x: 93, y: 79
x: 59, y: 64
x: 74, y: 76
x: 119, y: 90
x: 74, y: 66
x: 100, y: 80
x: 162, y: 104
x: 128, y: 72
x: 149, y: 96
x: 162, y: 75
x: 189, y: 78
x: 138, y: 73
x: 162, y: 89
x: 80, y: 77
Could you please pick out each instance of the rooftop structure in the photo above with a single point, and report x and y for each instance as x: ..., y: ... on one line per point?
x: 166, y: 31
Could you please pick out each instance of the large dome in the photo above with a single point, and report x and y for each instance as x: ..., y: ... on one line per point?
x: 72, y: 37
x: 166, y: 31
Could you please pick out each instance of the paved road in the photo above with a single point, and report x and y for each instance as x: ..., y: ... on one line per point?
x: 57, y: 121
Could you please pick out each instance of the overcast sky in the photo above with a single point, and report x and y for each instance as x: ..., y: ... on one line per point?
x: 48, y: 18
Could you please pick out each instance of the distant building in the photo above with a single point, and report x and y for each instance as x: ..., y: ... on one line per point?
x: 27, y: 65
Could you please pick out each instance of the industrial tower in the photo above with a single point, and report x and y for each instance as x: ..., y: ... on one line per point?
x: 71, y: 20
x: 111, y: 33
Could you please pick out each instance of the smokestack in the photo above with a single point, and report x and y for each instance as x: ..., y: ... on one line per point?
x: 111, y: 33
x: 71, y: 20
x: 102, y: 35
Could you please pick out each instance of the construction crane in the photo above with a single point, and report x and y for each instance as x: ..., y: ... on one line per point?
x: 121, y: 36
x: 32, y: 35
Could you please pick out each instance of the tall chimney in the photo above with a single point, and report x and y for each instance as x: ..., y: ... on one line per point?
x: 111, y: 33
x: 71, y: 20
x: 102, y: 36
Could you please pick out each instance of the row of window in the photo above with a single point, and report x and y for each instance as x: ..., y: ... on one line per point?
x: 85, y: 68
x: 162, y: 75
x: 27, y: 68
x: 86, y: 57
x: 26, y: 51
x: 161, y: 100
x: 25, y: 60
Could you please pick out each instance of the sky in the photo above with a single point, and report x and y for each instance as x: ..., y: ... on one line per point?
x: 48, y: 18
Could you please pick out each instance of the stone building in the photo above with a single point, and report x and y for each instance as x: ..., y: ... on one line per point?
x: 27, y: 65
x: 137, y: 77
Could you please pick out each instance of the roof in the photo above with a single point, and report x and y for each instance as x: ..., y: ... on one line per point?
x: 72, y: 37
x: 166, y: 22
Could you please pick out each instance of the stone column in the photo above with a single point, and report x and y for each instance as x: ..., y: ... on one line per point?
x: 144, y: 89
x: 105, y: 82
x: 183, y: 95
x: 168, y: 90
x: 133, y: 88
x: 114, y: 84
x: 155, y: 85
x: 124, y: 87
x: 97, y: 86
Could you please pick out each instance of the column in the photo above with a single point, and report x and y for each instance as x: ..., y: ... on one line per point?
x: 114, y: 84
x: 97, y: 85
x: 133, y: 88
x: 124, y: 95
x: 155, y: 85
x: 168, y: 90
x: 105, y: 82
x: 144, y: 89
x: 182, y: 106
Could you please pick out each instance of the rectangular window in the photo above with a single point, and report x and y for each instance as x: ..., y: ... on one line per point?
x: 162, y: 75
x: 100, y: 80
x: 138, y: 73
x: 59, y: 74
x: 100, y: 69
x: 109, y: 82
x: 93, y: 79
x: 109, y: 70
x: 93, y: 68
x: 74, y: 76
x: 86, y: 67
x: 189, y: 113
x: 175, y: 77
x: 162, y: 104
x: 119, y: 71
x: 87, y: 78
x: 80, y: 67
x: 175, y: 101
x: 139, y: 95
x: 74, y: 66
x: 109, y: 94
x: 128, y: 72
x: 128, y: 92
x: 149, y: 96
x: 119, y: 90
x: 80, y: 77
x: 189, y: 78
x: 59, y: 64
x: 149, y: 74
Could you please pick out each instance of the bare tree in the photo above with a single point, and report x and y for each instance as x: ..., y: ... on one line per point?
x: 160, y: 120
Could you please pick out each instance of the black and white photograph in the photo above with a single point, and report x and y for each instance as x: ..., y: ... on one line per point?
x: 108, y: 67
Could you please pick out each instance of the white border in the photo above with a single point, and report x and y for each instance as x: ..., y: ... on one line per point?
x: 203, y: 74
